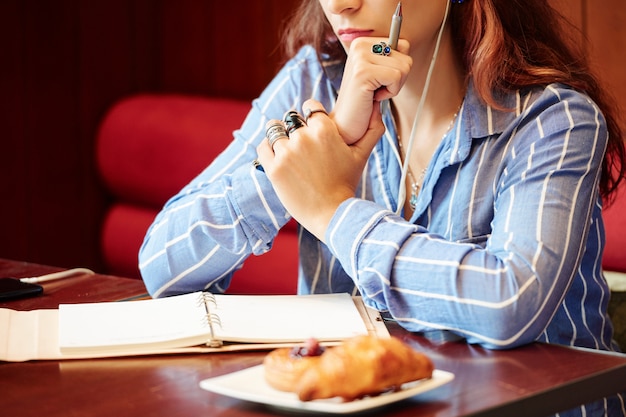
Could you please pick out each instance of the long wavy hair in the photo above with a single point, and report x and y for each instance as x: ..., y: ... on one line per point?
x: 504, y: 45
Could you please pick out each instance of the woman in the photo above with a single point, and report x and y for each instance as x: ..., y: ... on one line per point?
x: 514, y: 149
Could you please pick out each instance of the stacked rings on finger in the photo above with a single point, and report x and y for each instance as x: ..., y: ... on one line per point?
x: 275, y: 130
x: 293, y: 121
x: 381, y: 48
x: 308, y: 113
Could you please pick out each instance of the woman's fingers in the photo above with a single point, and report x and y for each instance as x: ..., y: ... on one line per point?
x: 368, y: 78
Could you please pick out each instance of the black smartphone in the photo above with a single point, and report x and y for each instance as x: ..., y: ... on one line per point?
x: 12, y: 288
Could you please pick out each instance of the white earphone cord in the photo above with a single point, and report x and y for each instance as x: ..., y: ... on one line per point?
x: 405, y: 165
x: 58, y: 275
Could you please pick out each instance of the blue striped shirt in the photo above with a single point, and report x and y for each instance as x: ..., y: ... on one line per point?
x: 504, y: 247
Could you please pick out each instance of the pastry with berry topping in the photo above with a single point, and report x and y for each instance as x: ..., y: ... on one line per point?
x: 284, y: 367
x: 360, y: 366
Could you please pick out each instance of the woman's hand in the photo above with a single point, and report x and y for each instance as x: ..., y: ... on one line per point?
x: 314, y: 170
x: 368, y: 79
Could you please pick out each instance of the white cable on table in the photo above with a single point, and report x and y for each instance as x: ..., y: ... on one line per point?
x: 58, y: 275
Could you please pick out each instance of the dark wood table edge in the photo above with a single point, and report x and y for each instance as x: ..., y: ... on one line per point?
x: 560, y: 399
x: 570, y: 395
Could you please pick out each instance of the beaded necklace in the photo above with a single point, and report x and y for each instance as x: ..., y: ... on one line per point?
x: 416, y: 184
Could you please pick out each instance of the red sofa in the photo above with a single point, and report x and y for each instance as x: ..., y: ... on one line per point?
x: 148, y: 147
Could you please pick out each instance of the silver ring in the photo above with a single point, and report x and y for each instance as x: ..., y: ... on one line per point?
x: 381, y: 48
x: 275, y: 131
x: 293, y: 121
x: 308, y: 113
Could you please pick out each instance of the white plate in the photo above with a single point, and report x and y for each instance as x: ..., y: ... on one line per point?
x: 249, y: 384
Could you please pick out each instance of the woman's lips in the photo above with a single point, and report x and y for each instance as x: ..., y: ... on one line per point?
x: 348, y: 35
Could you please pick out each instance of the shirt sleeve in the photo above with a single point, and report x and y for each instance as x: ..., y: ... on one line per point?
x: 230, y: 211
x: 504, y: 291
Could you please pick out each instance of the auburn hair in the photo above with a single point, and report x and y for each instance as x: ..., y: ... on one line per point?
x: 503, y: 45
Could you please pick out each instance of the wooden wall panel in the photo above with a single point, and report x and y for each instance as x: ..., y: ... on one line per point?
x: 606, y: 30
x: 65, y: 62
x: 215, y: 49
x: 13, y: 158
x: 571, y: 9
x: 46, y: 200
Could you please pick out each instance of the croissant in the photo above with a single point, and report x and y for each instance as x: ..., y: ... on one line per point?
x: 363, y: 365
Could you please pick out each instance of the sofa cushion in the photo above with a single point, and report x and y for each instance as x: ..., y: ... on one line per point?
x: 150, y: 146
x: 614, y: 258
x: 272, y: 273
x: 123, y: 229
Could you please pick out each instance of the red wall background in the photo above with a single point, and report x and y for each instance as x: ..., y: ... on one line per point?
x: 64, y: 62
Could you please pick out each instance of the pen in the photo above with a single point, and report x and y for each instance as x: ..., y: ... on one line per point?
x: 394, y: 31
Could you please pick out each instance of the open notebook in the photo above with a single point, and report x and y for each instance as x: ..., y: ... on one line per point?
x: 196, y: 322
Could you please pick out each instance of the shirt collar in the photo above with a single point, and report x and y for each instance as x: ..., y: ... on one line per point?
x: 478, y: 120
x: 483, y: 120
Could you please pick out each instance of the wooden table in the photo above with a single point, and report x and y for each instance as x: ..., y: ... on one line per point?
x: 534, y: 380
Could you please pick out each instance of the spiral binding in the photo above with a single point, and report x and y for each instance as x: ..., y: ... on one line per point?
x: 211, y: 319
